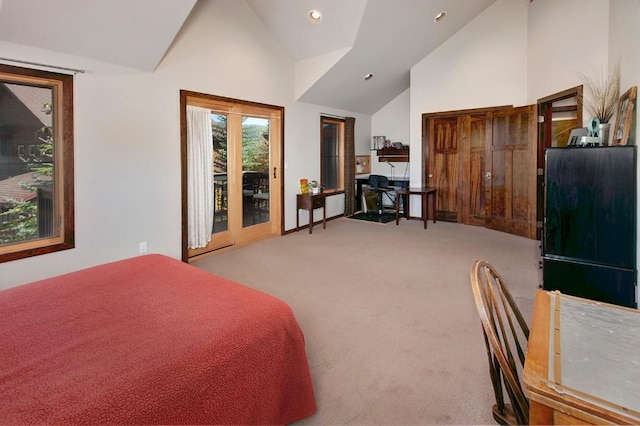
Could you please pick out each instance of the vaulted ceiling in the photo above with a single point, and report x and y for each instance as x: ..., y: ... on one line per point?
x: 354, y: 38
x: 129, y: 33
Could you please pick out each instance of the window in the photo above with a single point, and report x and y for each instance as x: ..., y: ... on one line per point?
x: 332, y: 153
x: 36, y: 187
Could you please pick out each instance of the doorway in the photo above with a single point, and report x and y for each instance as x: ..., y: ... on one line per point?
x: 558, y: 114
x: 231, y: 179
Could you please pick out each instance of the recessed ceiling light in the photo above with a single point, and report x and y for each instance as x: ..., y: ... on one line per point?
x: 314, y: 16
x: 368, y: 76
x: 440, y: 16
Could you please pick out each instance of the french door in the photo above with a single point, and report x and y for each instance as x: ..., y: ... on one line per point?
x: 245, y: 170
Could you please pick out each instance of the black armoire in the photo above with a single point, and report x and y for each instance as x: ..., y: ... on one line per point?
x: 589, y: 239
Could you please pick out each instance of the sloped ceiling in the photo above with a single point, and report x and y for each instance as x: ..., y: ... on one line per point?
x: 129, y: 33
x: 354, y: 38
x: 382, y: 37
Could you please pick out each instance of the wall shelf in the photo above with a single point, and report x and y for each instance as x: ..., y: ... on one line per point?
x: 394, y: 155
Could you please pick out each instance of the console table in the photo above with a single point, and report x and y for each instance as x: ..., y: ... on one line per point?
x: 310, y: 202
x: 425, y: 193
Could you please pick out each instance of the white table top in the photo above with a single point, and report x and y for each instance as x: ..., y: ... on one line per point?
x: 598, y: 353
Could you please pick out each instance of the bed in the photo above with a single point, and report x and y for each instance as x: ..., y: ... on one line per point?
x: 149, y: 340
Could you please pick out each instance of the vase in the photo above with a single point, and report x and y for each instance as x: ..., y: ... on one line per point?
x: 604, y: 133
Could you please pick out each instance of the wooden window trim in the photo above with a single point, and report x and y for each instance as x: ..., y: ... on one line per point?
x: 341, y: 136
x: 62, y: 86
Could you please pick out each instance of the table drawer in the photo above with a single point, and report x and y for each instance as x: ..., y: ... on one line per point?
x: 317, y: 202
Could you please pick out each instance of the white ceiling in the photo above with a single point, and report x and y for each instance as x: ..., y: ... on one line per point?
x: 129, y: 33
x: 384, y: 37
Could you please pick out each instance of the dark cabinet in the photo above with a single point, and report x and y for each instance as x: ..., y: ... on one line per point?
x: 589, y: 238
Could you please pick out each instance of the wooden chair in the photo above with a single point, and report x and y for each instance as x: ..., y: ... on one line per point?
x: 503, y: 337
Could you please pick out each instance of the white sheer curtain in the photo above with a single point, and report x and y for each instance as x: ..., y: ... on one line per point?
x: 199, y: 176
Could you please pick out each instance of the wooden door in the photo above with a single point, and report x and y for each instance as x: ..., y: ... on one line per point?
x: 474, y: 134
x: 510, y: 177
x: 444, y: 173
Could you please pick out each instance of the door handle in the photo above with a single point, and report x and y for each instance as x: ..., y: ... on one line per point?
x: 487, y: 175
x: 430, y: 175
x: 274, y: 172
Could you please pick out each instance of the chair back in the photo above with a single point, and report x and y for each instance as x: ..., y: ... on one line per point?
x: 505, y: 331
x: 378, y: 181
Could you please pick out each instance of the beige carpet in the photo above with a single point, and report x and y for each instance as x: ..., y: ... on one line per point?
x: 392, y: 332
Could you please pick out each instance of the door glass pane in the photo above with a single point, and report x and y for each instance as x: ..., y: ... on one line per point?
x: 26, y: 163
x: 330, y: 155
x: 255, y: 170
x: 220, y: 195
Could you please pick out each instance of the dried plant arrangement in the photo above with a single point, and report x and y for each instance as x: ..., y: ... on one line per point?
x: 602, y: 91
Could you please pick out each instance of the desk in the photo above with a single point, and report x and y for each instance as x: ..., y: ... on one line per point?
x: 582, y: 363
x: 425, y: 193
x: 311, y: 202
x: 364, y: 179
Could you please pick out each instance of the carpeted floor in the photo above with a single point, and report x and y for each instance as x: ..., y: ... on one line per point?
x: 392, y: 332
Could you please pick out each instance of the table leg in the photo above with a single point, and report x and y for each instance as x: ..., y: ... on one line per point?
x: 425, y: 212
x: 434, y: 195
x: 324, y: 217
x: 358, y: 196
x: 311, y: 219
x: 405, y: 199
x: 398, y: 208
x: 297, y: 219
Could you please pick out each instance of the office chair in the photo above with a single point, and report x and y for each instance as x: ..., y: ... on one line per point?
x: 380, y: 185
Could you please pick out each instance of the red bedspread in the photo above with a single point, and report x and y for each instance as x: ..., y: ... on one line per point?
x: 149, y: 340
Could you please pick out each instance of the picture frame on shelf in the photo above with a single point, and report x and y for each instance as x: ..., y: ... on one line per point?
x: 378, y: 142
x: 624, y: 116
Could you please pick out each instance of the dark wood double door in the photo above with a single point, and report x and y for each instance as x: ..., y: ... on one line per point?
x: 483, y: 164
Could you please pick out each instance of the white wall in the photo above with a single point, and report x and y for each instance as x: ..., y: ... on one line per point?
x: 391, y: 121
x: 127, y: 137
x: 559, y: 47
x: 483, y: 64
x: 302, y: 154
x: 624, y: 36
